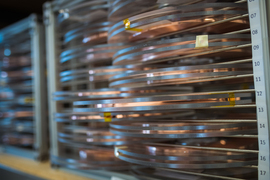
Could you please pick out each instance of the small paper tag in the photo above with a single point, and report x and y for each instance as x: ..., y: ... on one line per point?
x: 29, y: 100
x: 127, y: 24
x: 231, y: 99
x: 107, y: 117
x: 202, y: 41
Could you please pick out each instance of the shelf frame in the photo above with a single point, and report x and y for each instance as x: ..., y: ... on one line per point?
x: 34, y: 26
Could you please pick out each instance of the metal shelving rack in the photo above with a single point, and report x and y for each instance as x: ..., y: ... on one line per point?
x: 53, y: 51
x: 35, y: 28
x: 259, y: 21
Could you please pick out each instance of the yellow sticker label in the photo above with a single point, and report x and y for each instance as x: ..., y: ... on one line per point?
x: 29, y: 100
x: 231, y: 99
x: 127, y: 26
x: 202, y: 41
x: 107, y: 117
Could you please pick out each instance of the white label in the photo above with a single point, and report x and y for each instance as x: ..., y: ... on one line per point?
x: 259, y: 81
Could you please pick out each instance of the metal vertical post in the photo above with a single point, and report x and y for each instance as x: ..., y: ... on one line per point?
x: 260, y: 50
x: 39, y: 88
x: 53, y: 86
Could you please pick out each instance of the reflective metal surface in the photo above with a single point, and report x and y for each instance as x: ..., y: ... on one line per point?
x: 168, y: 83
x: 16, y: 90
x: 85, y: 63
x: 219, y: 69
x: 223, y: 154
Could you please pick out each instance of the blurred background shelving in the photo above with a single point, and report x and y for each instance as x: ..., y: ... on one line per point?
x: 158, y: 89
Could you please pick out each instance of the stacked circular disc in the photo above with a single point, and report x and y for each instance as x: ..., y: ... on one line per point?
x: 83, y: 28
x: 85, y: 68
x: 183, y: 75
x: 200, y: 44
x: 185, y: 157
x: 16, y: 90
